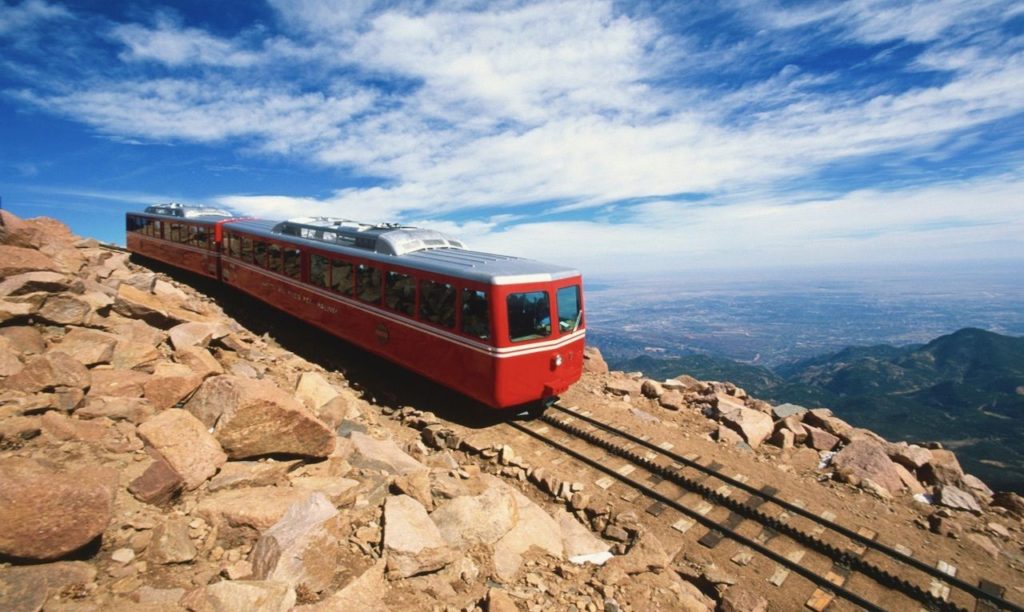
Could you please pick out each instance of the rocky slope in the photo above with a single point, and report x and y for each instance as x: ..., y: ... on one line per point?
x: 155, y: 454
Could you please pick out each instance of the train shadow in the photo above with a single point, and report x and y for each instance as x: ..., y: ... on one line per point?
x: 381, y: 381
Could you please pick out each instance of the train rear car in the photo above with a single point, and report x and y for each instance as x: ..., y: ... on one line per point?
x: 183, y: 236
x: 502, y: 330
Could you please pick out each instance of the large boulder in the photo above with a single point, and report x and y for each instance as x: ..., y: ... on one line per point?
x: 248, y: 595
x: 753, y: 425
x: 199, y: 360
x: 158, y: 485
x: 371, y: 453
x: 33, y: 282
x: 171, y: 542
x: 314, y: 391
x: 184, y: 442
x: 131, y: 409
x: 253, y: 507
x: 819, y: 439
x: 910, y: 456
x: 89, y: 346
x: 18, y: 260
x: 252, y: 418
x: 118, y: 383
x: 47, y: 514
x: 24, y: 339
x: 958, y: 499
x: 481, y: 519
x: 166, y: 391
x: 534, y: 529
x: 413, y: 542
x: 365, y: 593
x: 195, y: 333
x: 942, y: 469
x: 63, y: 309
x: 45, y: 372
x: 299, y: 549
x: 863, y: 459
x: 158, y: 311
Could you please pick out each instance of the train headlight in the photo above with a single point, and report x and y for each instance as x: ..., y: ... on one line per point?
x: 558, y: 360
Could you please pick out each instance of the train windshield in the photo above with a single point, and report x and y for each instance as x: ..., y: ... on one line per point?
x: 529, y: 315
x: 570, y: 315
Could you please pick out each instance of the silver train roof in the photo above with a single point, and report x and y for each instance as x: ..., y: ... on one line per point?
x: 414, y: 247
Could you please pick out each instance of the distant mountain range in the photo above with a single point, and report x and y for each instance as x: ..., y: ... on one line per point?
x: 965, y: 390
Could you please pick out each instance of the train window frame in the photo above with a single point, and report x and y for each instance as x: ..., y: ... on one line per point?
x: 247, y: 252
x: 319, y: 273
x: 193, y: 235
x: 475, y: 324
x: 397, y: 295
x: 291, y: 262
x: 372, y: 293
x: 569, y: 325
x: 520, y: 315
x: 437, y: 311
x: 275, y: 257
x: 174, y: 235
x: 234, y: 245
x: 259, y: 252
x: 348, y: 289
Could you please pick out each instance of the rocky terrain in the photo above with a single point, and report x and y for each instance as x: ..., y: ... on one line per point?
x: 156, y: 455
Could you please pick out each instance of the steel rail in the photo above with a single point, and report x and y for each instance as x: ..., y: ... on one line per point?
x: 709, y: 523
x: 758, y: 515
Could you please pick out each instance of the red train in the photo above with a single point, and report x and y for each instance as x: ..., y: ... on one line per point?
x: 505, y: 331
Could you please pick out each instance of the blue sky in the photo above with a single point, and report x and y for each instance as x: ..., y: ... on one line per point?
x: 620, y: 138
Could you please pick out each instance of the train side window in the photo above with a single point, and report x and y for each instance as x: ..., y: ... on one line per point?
x: 318, y: 271
x: 570, y: 315
x: 234, y: 245
x: 368, y: 283
x: 292, y: 263
x: 203, y: 237
x: 158, y: 229
x: 529, y: 315
x: 193, y: 235
x: 437, y: 303
x: 175, y: 232
x: 147, y: 227
x: 341, y: 277
x: 400, y: 294
x: 274, y: 258
x: 475, y: 318
x: 259, y: 253
x: 247, y: 249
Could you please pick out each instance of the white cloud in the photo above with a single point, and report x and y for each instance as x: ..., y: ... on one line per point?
x: 578, y: 103
x: 17, y: 18
x: 174, y: 46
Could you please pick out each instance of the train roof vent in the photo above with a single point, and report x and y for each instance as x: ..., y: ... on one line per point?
x: 174, y: 209
x: 384, y: 238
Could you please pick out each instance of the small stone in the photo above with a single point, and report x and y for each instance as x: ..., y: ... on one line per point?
x: 123, y: 555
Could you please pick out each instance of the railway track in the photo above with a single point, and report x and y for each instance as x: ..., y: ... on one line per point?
x: 662, y: 464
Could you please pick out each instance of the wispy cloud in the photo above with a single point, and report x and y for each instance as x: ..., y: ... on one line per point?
x: 17, y: 19
x: 465, y: 112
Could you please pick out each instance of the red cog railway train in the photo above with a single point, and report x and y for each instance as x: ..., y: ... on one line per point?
x: 505, y: 331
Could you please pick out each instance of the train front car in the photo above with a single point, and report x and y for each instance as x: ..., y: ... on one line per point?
x: 183, y: 236
x: 421, y: 300
x: 539, y: 331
